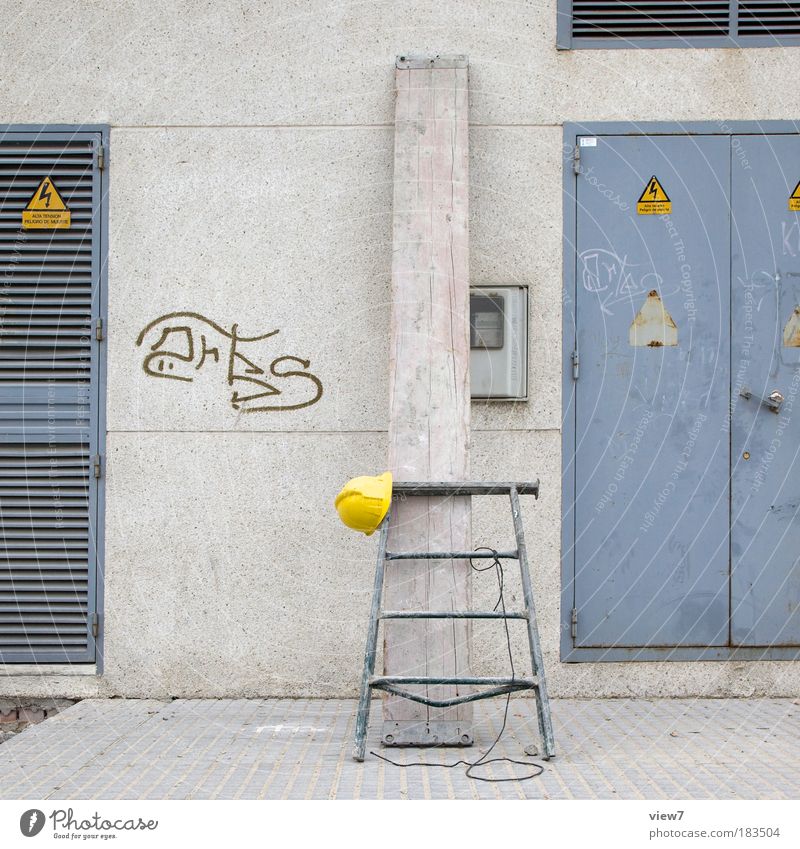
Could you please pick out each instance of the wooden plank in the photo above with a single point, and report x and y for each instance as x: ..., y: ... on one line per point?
x: 429, y: 391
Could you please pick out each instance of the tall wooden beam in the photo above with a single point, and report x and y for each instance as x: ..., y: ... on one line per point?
x: 429, y: 423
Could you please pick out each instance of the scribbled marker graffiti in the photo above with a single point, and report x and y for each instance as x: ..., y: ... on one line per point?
x: 179, y: 344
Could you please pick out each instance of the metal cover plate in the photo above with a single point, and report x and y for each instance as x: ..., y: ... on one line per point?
x: 415, y: 733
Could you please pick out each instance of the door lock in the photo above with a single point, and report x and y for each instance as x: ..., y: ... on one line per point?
x: 772, y: 402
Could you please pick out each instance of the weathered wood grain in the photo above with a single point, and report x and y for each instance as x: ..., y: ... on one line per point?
x: 429, y: 386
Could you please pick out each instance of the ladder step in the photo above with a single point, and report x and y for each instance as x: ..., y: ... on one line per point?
x: 451, y: 555
x: 465, y: 488
x: 451, y: 614
x: 521, y: 683
x: 507, y: 685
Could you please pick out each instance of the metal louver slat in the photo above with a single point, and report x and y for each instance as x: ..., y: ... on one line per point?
x: 769, y: 17
x: 28, y: 259
x: 44, y: 572
x: 48, y: 414
x: 622, y: 19
x: 675, y: 23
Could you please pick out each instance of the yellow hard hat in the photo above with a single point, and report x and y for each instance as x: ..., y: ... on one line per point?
x: 364, y: 501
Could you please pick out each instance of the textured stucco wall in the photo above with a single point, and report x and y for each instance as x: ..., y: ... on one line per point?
x: 250, y: 173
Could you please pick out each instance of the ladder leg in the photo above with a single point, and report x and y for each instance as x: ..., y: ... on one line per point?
x: 542, y: 700
x: 362, y: 717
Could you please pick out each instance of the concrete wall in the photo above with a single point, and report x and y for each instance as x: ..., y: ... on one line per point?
x: 250, y: 173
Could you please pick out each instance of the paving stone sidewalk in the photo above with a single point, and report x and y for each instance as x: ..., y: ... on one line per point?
x: 300, y: 749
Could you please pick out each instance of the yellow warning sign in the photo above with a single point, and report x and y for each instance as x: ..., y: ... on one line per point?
x: 654, y: 200
x: 46, y: 210
x: 794, y: 199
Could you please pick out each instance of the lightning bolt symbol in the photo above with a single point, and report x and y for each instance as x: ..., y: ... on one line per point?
x: 652, y: 190
x: 32, y: 823
x: 44, y: 194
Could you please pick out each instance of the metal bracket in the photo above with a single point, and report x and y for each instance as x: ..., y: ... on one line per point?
x: 96, y: 465
x: 423, y: 61
x: 439, y: 733
x: 772, y: 402
x: 101, y: 157
x: 576, y: 364
x: 98, y: 330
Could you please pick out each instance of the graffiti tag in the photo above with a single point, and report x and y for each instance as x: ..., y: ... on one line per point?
x: 179, y: 344
x: 612, y: 278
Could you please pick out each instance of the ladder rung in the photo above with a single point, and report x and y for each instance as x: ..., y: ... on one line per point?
x: 465, y: 488
x: 522, y: 683
x: 450, y: 555
x: 512, y: 687
x: 451, y: 614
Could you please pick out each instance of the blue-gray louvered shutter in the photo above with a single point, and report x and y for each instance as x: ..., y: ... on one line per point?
x: 49, y: 304
x: 639, y: 22
x: 629, y: 19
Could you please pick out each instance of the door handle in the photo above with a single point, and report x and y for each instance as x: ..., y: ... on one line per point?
x: 772, y: 402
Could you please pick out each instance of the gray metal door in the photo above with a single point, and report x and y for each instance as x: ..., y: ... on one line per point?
x: 765, y: 359
x: 652, y: 313
x: 49, y: 397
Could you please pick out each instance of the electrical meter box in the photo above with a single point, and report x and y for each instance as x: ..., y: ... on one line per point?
x: 498, y: 330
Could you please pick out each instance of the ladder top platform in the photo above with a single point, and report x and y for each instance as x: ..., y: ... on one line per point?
x: 465, y: 488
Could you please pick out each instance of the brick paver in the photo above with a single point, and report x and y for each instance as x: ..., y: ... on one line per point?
x: 300, y: 749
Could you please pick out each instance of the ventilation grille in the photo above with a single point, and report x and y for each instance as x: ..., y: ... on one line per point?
x: 47, y: 407
x: 45, y: 275
x: 649, y: 18
x: 44, y: 549
x: 768, y: 17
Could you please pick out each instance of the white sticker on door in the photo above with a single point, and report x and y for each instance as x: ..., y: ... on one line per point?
x: 653, y: 326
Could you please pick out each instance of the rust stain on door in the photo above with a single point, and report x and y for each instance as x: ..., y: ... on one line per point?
x: 653, y: 326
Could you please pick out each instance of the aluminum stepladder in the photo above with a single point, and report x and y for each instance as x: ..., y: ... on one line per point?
x: 496, y: 686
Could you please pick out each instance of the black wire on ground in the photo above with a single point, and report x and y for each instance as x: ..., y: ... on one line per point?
x: 497, y: 565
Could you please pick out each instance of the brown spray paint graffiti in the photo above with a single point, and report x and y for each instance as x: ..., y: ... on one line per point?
x: 181, y: 343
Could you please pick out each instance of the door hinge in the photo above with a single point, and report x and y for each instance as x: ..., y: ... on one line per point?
x: 573, y: 624
x: 95, y: 622
x: 576, y: 160
x: 576, y: 362
x: 101, y: 157
x: 98, y: 330
x: 97, y: 466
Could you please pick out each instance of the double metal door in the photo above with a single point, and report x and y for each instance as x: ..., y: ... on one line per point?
x: 683, y: 420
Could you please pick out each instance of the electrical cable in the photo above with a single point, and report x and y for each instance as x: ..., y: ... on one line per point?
x: 497, y: 565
